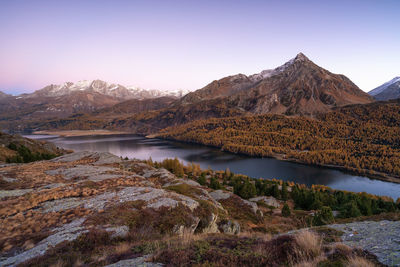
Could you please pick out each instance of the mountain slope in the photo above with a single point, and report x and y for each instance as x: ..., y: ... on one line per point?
x: 12, y: 146
x: 101, y: 87
x: 387, y: 91
x: 4, y: 95
x: 133, y: 106
x: 299, y: 87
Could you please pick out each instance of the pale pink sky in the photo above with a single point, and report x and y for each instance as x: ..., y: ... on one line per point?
x: 187, y: 44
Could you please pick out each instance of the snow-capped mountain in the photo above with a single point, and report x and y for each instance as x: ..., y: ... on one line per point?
x: 387, y: 91
x: 109, y: 89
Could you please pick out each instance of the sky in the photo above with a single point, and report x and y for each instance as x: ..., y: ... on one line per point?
x: 169, y: 44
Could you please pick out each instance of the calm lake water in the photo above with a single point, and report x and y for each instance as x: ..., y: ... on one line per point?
x: 133, y: 146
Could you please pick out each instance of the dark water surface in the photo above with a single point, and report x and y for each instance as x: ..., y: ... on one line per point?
x: 139, y: 147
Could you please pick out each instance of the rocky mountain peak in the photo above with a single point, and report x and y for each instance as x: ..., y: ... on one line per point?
x: 301, y: 57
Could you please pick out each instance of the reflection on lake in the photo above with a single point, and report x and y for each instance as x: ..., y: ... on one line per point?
x: 133, y: 146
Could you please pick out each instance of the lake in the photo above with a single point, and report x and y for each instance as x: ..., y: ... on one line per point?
x: 133, y: 146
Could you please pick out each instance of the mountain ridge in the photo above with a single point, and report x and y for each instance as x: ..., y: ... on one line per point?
x: 387, y: 91
x: 102, y: 87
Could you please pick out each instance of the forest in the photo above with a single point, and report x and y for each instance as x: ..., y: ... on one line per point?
x: 25, y: 155
x: 321, y: 199
x: 360, y: 138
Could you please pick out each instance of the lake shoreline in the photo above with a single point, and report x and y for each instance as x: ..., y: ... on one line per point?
x: 73, y: 133
x: 365, y: 173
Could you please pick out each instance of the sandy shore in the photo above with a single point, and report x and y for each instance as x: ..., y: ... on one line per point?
x: 80, y: 132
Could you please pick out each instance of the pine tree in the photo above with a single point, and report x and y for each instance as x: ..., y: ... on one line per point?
x: 325, y: 216
x: 214, y: 184
x: 284, y: 191
x: 202, y: 179
x: 286, y: 210
x: 275, y: 191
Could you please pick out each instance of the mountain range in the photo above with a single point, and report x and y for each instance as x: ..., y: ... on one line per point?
x: 63, y: 100
x: 101, y: 87
x: 387, y: 91
x: 297, y: 88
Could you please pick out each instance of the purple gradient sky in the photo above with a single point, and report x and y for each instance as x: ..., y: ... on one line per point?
x: 187, y: 44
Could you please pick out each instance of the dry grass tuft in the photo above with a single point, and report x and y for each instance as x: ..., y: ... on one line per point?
x: 310, y: 263
x: 122, y: 248
x: 359, y: 262
x: 309, y: 245
x: 78, y: 263
x: 343, y: 249
x: 59, y: 263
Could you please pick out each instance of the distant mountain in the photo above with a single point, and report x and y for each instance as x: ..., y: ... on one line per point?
x: 134, y: 106
x: 387, y: 91
x: 61, y: 101
x: 4, y: 95
x: 101, y: 87
x: 299, y: 87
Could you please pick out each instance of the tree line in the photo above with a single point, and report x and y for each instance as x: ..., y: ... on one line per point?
x: 360, y: 138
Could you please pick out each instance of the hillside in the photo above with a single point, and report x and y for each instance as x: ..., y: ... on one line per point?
x: 95, y: 209
x: 4, y: 95
x: 359, y: 138
x: 299, y: 87
x: 15, y: 148
x: 387, y: 91
x: 134, y: 106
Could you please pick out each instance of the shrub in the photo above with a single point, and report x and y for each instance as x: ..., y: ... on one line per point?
x: 214, y: 184
x: 325, y: 216
x: 286, y: 210
x: 202, y: 179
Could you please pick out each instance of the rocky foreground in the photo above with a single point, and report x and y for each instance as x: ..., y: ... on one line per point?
x: 95, y: 209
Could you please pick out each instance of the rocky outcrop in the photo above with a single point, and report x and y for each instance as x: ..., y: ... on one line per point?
x: 229, y: 227
x: 381, y: 238
x: 220, y: 195
x: 137, y: 262
x: 78, y: 193
x: 270, y: 201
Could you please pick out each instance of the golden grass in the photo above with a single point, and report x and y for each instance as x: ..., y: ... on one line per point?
x: 311, y: 263
x: 122, y: 248
x: 309, y: 244
x: 359, y: 262
x: 59, y: 263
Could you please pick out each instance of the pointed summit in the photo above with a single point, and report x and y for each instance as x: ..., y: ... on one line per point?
x: 301, y: 57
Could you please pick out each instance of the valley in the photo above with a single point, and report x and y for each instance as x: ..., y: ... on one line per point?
x: 199, y: 133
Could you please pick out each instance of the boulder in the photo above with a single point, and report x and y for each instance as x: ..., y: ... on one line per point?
x: 229, y: 227
x: 270, y: 201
